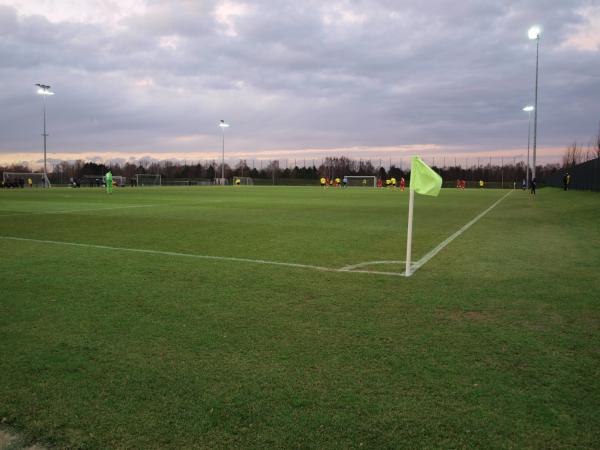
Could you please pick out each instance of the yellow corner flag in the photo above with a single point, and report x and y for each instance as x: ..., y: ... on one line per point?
x: 423, y: 179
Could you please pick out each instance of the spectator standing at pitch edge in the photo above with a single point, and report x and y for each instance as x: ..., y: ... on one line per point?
x: 566, y: 181
x: 533, y: 185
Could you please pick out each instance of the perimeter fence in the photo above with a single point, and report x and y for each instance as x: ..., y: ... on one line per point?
x: 584, y: 176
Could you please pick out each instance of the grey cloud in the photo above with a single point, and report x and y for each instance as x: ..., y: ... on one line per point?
x: 8, y: 20
x: 428, y: 72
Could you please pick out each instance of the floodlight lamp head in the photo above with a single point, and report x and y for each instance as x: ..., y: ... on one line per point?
x: 223, y: 124
x: 44, y: 89
x: 534, y: 32
x: 528, y: 108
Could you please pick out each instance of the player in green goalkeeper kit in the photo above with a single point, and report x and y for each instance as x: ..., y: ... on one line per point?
x: 108, y: 179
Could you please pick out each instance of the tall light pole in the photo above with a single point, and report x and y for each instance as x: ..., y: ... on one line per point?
x: 44, y: 90
x: 223, y: 125
x: 534, y: 34
x: 528, y: 109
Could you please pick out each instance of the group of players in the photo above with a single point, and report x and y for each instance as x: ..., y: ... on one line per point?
x: 461, y: 184
x: 337, y: 182
x: 17, y: 183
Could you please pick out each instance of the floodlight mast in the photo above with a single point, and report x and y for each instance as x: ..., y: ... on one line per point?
x: 528, y: 109
x: 534, y: 34
x: 223, y: 125
x: 44, y: 90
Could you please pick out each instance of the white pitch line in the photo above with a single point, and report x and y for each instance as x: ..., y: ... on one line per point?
x: 68, y: 211
x: 191, y: 255
x: 375, y: 272
x: 421, y: 262
x: 346, y: 269
x: 369, y: 263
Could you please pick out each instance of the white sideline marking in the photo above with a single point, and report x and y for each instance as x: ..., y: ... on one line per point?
x: 368, y: 263
x: 190, y: 255
x: 394, y: 274
x: 346, y: 269
x: 421, y: 262
x: 67, y: 211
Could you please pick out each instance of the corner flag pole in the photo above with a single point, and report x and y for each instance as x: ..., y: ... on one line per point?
x: 425, y: 181
x: 410, y: 227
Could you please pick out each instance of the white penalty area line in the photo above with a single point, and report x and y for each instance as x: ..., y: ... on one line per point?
x: 69, y: 211
x: 191, y: 255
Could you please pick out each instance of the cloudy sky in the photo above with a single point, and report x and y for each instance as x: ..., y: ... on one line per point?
x: 296, y: 79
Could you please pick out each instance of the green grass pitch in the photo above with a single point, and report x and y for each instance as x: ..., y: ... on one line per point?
x: 494, y: 343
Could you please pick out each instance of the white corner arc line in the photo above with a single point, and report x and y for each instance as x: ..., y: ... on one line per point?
x: 369, y: 263
x: 191, y: 255
x: 374, y: 272
x: 67, y: 211
x: 421, y: 262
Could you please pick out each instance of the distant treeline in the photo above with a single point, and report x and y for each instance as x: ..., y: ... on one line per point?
x: 330, y: 167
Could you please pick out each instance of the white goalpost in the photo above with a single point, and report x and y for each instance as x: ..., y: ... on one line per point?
x: 247, y: 181
x: 148, y: 179
x: 21, y: 179
x: 117, y: 179
x: 361, y: 181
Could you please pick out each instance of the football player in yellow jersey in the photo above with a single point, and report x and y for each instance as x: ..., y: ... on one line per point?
x: 323, y: 182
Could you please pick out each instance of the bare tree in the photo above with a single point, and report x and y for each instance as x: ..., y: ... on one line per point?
x: 242, y: 168
x: 574, y: 154
x: 597, y: 139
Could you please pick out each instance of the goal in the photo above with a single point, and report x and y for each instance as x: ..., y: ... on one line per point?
x: 21, y: 179
x: 92, y: 180
x: 148, y: 179
x: 361, y: 181
x: 118, y: 180
x: 243, y: 180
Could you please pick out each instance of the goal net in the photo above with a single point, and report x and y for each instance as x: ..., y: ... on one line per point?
x: 148, y: 179
x: 361, y: 181
x: 118, y: 180
x: 21, y: 179
x: 243, y: 180
x: 92, y: 180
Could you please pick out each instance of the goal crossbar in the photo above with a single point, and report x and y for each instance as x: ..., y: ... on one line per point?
x: 148, y: 179
x: 244, y: 180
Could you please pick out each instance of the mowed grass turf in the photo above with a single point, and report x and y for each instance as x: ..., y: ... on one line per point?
x: 493, y: 343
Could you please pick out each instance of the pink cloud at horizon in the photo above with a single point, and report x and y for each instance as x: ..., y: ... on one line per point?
x: 394, y: 154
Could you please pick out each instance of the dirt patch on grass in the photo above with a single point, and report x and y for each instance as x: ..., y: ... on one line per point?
x: 6, y: 439
x: 11, y: 440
